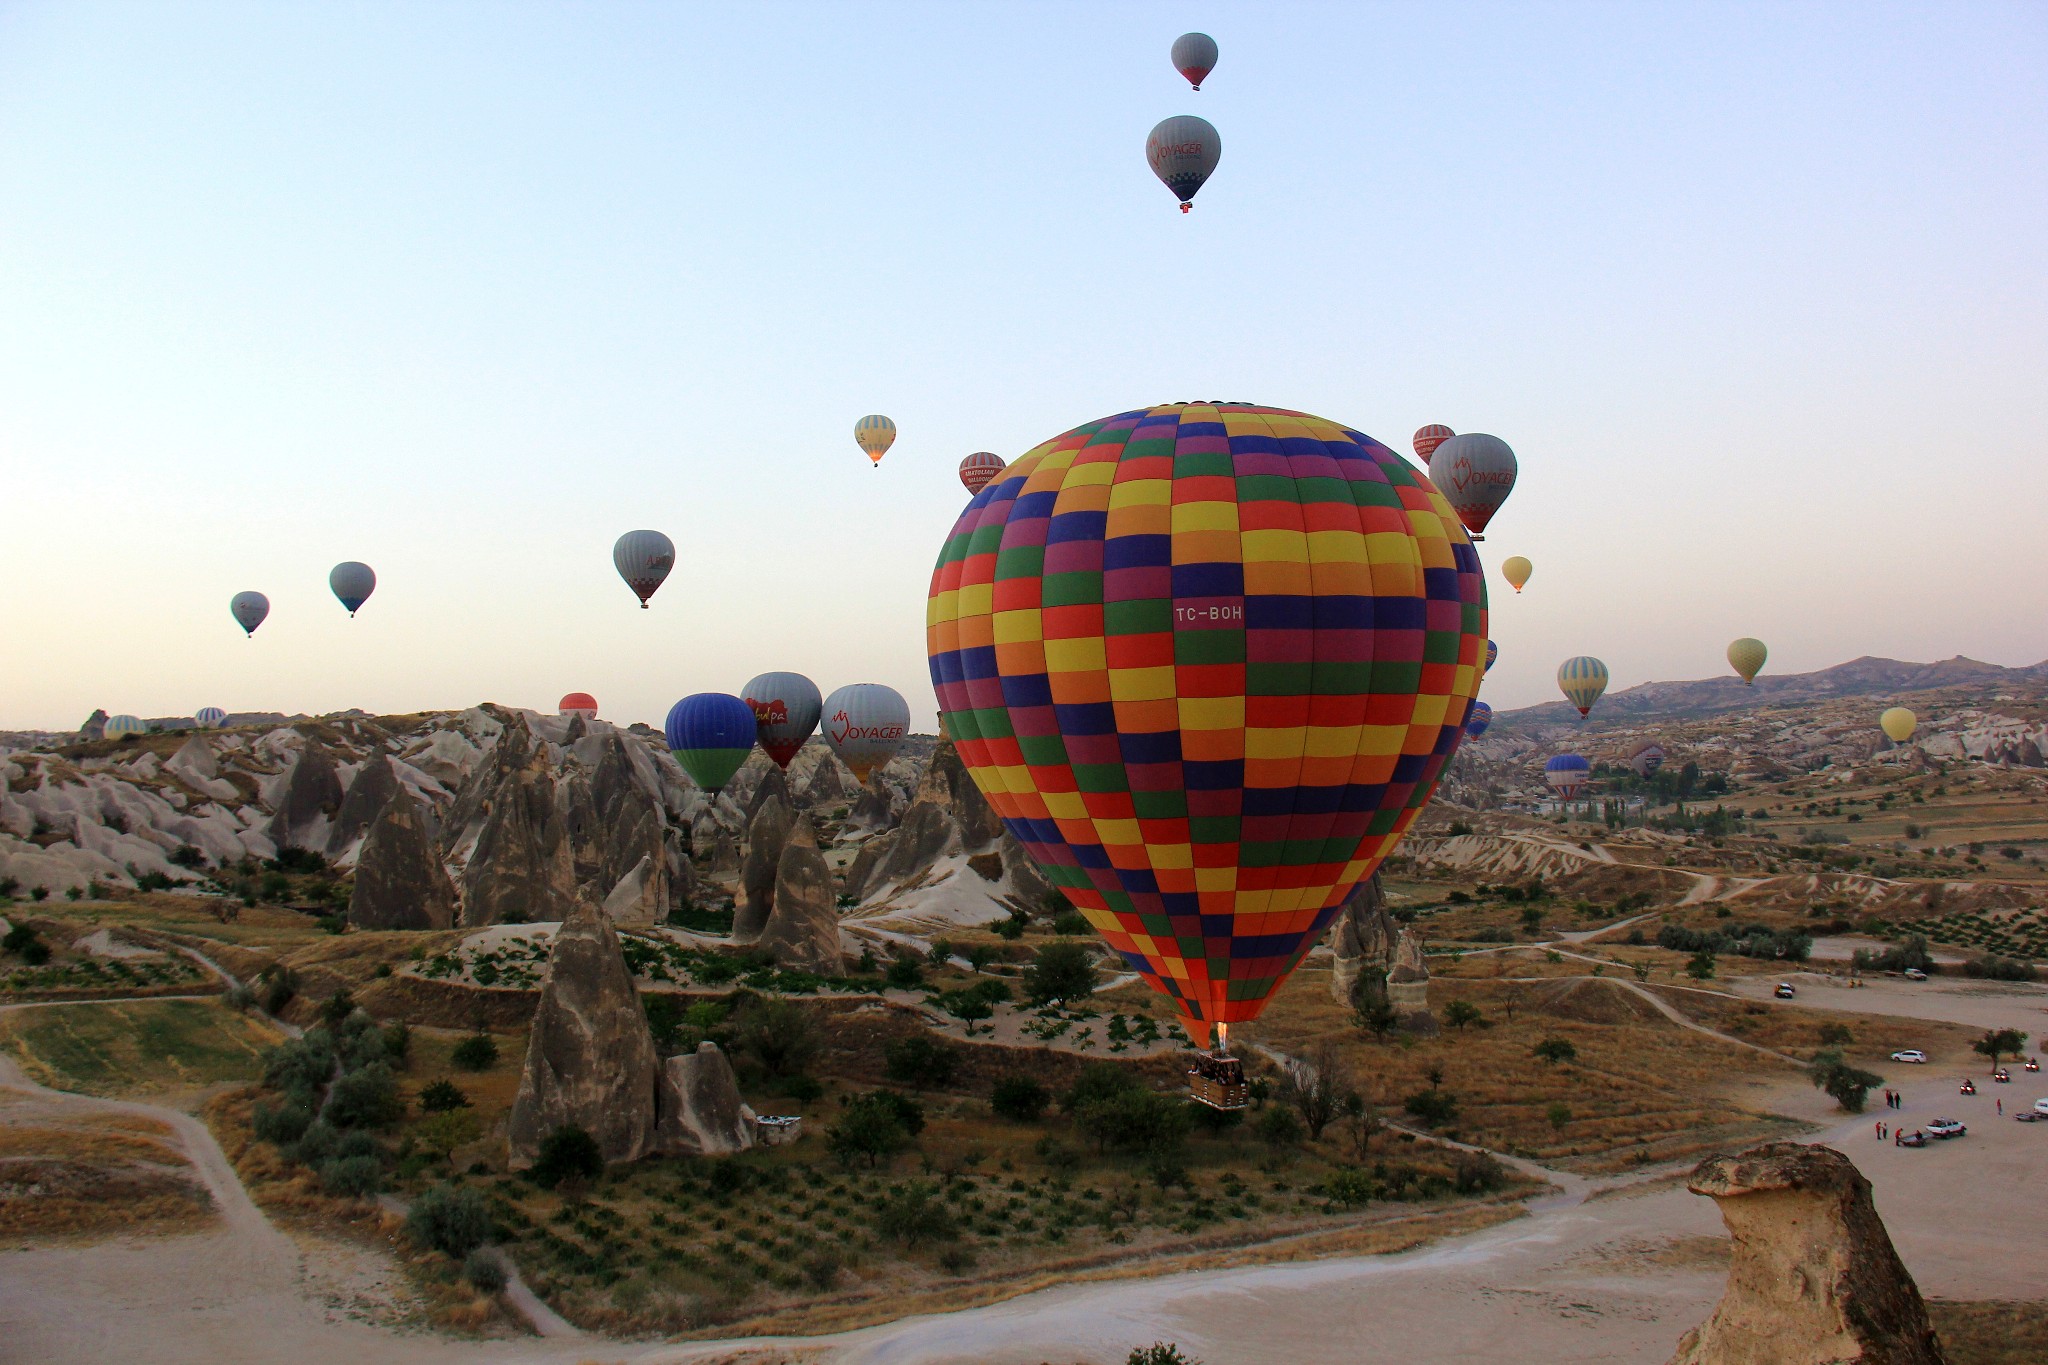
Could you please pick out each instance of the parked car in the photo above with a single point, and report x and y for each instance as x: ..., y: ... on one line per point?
x: 2041, y: 1106
x: 1784, y: 991
x: 1910, y: 1054
x: 1946, y: 1128
x: 1916, y: 1138
x: 1915, y: 974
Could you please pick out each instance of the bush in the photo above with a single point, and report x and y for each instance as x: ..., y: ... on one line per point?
x: 914, y: 1215
x: 18, y: 936
x: 1992, y: 967
x: 567, y: 1152
x: 366, y: 1098
x: 1159, y: 1353
x: 302, y: 1065
x: 1432, y: 1108
x: 821, y: 1269
x: 449, y: 1220
x: 1019, y: 1099
x: 1460, y: 1013
x: 919, y: 1062
x: 872, y: 1129
x: 1555, y: 1050
x: 779, y: 1035
x: 316, y: 1146
x: 287, y: 1123
x: 1134, y: 1120
x: 1350, y: 1186
x: 397, y: 1042
x: 352, y: 1177
x: 477, y: 1052
x: 802, y: 1089
x: 1059, y: 972
x: 904, y: 974
x: 1476, y: 1173
x: 664, y: 1017
x: 1279, y: 1126
x: 485, y: 1273
x: 442, y: 1096
x: 1071, y: 923
x: 1097, y: 1081
x: 1848, y: 1086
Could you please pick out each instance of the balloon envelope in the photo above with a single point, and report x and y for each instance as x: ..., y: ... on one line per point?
x: 643, y: 559
x: 352, y: 583
x: 249, y: 609
x: 1475, y: 473
x: 120, y: 727
x: 786, y: 708
x: 1747, y: 657
x: 980, y: 467
x: 874, y: 434
x: 1898, y: 724
x: 1582, y: 680
x: 865, y: 724
x: 578, y: 704
x: 1207, y: 662
x: 210, y: 718
x: 1646, y: 759
x: 1183, y: 151
x: 1492, y: 653
x: 1194, y: 56
x: 1567, y: 775
x: 1428, y: 438
x: 711, y: 734
x: 1476, y: 723
x: 1516, y: 570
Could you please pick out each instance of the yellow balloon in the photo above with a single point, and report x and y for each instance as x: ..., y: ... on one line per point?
x: 1898, y: 724
x: 1516, y: 571
x: 1747, y: 657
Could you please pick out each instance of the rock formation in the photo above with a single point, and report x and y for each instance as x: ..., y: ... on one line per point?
x: 803, y: 928
x: 400, y: 883
x: 311, y: 797
x: 519, y: 870
x: 626, y: 826
x: 1361, y: 938
x: 1814, y: 1280
x: 725, y: 855
x: 773, y: 786
x: 701, y: 1112
x: 590, y: 1060
x: 766, y: 834
x: 95, y: 727
x: 1408, y: 983
x: 368, y: 795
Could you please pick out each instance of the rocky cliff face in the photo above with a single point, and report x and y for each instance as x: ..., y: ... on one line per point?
x: 590, y: 1060
x: 373, y: 788
x: 400, y: 882
x: 520, y: 869
x: 767, y: 832
x: 1814, y: 1280
x: 803, y: 929
x: 310, y: 800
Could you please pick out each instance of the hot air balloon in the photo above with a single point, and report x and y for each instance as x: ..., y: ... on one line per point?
x: 1582, y: 680
x: 711, y: 734
x: 874, y: 434
x: 643, y: 559
x: 352, y: 583
x: 786, y: 709
x: 1646, y: 758
x: 123, y: 727
x: 1194, y: 56
x: 249, y: 609
x: 1516, y: 570
x: 865, y: 724
x: 1182, y: 151
x: 210, y: 718
x: 1898, y: 724
x: 1475, y: 473
x: 1428, y: 438
x: 979, y: 468
x: 578, y: 704
x: 1567, y: 775
x: 1747, y: 657
x: 1476, y: 723
x: 1492, y: 653
x: 1207, y: 662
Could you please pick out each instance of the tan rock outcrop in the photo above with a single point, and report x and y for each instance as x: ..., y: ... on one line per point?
x: 590, y: 1060
x: 701, y: 1110
x: 1361, y: 938
x: 311, y: 797
x: 520, y: 869
x: 368, y: 794
x: 766, y: 833
x: 400, y: 882
x: 1814, y: 1280
x: 803, y: 928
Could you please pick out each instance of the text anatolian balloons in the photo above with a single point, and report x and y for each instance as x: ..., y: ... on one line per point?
x: 1475, y: 473
x: 1194, y: 56
x: 874, y: 434
x: 1183, y: 151
x: 1516, y: 570
x: 1746, y: 657
x: 249, y: 609
x: 1898, y: 724
x: 979, y: 468
x: 578, y: 704
x: 352, y: 583
x: 865, y: 724
x: 786, y: 708
x: 1428, y: 438
x: 1582, y: 680
x: 643, y: 559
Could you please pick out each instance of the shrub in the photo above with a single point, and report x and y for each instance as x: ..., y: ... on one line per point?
x: 35, y: 952
x: 485, y: 1273
x: 1476, y: 1173
x: 18, y: 936
x: 1992, y: 967
x: 1278, y: 1126
x: 301, y: 1065
x: 442, y: 1096
x: 477, y: 1052
x: 779, y: 1035
x: 1432, y: 1108
x: 802, y: 1089
x: 904, y: 974
x: 1097, y: 1081
x: 664, y: 1017
x: 284, y: 1124
x: 914, y: 1215
x: 1350, y: 1186
x: 443, y: 1132
x: 352, y: 1177
x: 872, y: 1129
x: 1059, y: 972
x: 1555, y: 1050
x: 919, y: 1062
x: 1848, y: 1086
x: 1559, y: 1113
x: 449, y: 1220
x: 1159, y: 1353
x: 569, y: 1151
x: 821, y: 1269
x: 1134, y: 1120
x: 1019, y: 1099
x: 1459, y: 1013
x: 1071, y: 923
x: 317, y: 1145
x: 365, y: 1098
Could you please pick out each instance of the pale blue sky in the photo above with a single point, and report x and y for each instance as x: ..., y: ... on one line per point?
x: 1757, y: 292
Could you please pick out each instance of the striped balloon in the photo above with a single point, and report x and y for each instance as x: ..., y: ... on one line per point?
x: 786, y: 708
x: 979, y: 468
x: 1492, y: 653
x: 1194, y: 56
x: 1646, y: 759
x: 1567, y: 775
x: 210, y: 718
x: 711, y: 734
x: 1582, y: 679
x: 874, y: 434
x: 1183, y: 152
x: 121, y: 727
x: 1428, y: 438
x: 644, y: 559
x: 578, y: 704
x: 1207, y: 662
x: 1476, y: 723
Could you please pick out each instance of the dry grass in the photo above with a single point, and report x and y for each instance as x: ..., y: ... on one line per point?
x: 1991, y: 1333
x: 96, y: 1179
x: 1786, y: 1027
x: 136, y: 1047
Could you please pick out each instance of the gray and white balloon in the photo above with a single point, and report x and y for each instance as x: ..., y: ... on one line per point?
x: 865, y: 724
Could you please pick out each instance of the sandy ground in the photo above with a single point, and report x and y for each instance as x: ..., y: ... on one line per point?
x: 1615, y: 1278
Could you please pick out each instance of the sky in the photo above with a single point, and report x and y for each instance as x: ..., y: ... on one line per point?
x: 1757, y: 292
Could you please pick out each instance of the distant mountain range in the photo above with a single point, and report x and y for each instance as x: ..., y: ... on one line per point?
x: 1865, y: 677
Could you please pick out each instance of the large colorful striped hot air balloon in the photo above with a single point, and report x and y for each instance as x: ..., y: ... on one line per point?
x: 249, y: 609
x: 711, y: 734
x: 1183, y: 151
x: 1476, y: 723
x: 865, y: 724
x: 1194, y: 56
x: 1567, y: 775
x: 578, y: 704
x: 1582, y: 680
x: 785, y: 707
x: 352, y: 582
x: 874, y: 434
x: 1746, y: 656
x: 1428, y: 438
x: 643, y: 559
x: 210, y: 718
x: 980, y: 467
x: 1207, y: 662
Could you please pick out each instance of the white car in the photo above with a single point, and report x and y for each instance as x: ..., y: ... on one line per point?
x: 1946, y: 1128
x: 1915, y: 974
x: 1911, y: 1054
x: 2041, y: 1106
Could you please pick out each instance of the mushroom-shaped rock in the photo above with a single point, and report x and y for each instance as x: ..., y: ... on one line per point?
x: 1814, y: 1279
x: 701, y: 1111
x: 400, y: 883
x: 803, y: 928
x: 766, y: 833
x: 590, y: 1060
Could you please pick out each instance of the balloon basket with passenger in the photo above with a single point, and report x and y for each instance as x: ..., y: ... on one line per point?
x: 1216, y: 1078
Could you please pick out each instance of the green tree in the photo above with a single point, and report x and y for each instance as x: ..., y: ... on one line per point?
x: 449, y: 1220
x: 567, y: 1153
x: 914, y: 1215
x: 1432, y: 1108
x: 1134, y: 1120
x: 1459, y: 1013
x: 365, y: 1098
x: 1559, y: 1113
x: 441, y: 1096
x: 1702, y: 965
x: 779, y: 1035
x: 1846, y: 1085
x: 477, y: 1052
x: 870, y: 1130
x: 1555, y: 1050
x: 1835, y: 1035
x: 441, y: 1133
x: 1019, y: 1099
x: 919, y: 1062
x: 1060, y: 972
x: 1997, y: 1043
x: 1278, y: 1126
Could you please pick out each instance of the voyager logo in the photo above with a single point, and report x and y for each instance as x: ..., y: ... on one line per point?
x: 842, y: 728
x: 1463, y: 476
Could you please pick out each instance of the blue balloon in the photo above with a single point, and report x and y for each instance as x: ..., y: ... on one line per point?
x: 1476, y: 723
x: 711, y: 734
